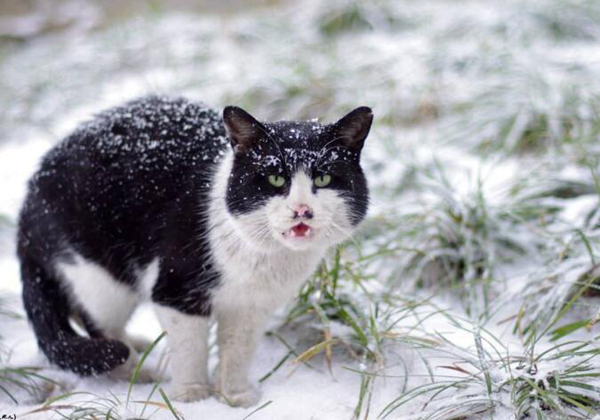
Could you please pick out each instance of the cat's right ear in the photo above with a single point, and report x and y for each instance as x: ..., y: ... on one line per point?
x: 243, y: 129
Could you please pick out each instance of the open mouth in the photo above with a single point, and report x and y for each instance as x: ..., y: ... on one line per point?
x: 301, y: 230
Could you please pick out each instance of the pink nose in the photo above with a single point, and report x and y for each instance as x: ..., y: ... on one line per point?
x: 303, y: 211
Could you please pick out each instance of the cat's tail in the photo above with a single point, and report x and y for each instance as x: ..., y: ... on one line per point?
x: 48, y: 309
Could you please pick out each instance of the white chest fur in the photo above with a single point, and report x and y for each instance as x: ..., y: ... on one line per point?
x: 258, y: 280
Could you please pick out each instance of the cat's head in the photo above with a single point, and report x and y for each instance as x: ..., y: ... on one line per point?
x: 296, y: 184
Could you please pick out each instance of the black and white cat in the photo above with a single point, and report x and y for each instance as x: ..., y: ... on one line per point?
x: 164, y: 200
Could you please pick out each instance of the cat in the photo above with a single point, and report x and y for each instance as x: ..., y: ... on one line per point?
x: 165, y: 200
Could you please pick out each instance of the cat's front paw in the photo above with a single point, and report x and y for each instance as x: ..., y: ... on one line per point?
x: 189, y: 392
x: 240, y: 398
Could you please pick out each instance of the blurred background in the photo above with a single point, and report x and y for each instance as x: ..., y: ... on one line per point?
x: 483, y: 159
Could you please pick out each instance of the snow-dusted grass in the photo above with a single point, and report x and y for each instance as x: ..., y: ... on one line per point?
x: 472, y: 290
x: 494, y: 382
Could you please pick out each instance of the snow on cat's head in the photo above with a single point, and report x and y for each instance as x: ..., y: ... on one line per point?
x: 296, y: 184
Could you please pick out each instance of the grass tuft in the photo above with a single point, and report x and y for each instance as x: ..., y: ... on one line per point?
x: 487, y: 379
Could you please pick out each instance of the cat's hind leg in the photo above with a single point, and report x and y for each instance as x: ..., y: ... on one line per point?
x: 106, y: 306
x: 48, y: 308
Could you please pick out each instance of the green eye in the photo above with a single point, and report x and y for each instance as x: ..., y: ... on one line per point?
x: 322, y: 181
x: 276, y: 180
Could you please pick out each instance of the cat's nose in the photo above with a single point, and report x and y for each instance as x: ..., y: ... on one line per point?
x: 302, y: 211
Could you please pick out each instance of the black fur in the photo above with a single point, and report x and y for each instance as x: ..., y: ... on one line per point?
x: 133, y: 185
x: 119, y: 191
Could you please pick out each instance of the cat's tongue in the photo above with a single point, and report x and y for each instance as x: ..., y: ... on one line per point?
x: 300, y: 230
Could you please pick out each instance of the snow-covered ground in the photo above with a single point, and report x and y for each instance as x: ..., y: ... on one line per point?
x: 484, y: 167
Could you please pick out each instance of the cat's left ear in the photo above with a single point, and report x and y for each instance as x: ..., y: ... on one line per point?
x: 352, y: 130
x: 243, y: 129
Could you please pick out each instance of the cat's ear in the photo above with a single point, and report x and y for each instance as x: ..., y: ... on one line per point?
x: 243, y: 129
x: 352, y: 130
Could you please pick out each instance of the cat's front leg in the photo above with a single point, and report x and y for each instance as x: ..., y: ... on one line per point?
x: 188, y: 342
x: 238, y: 332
